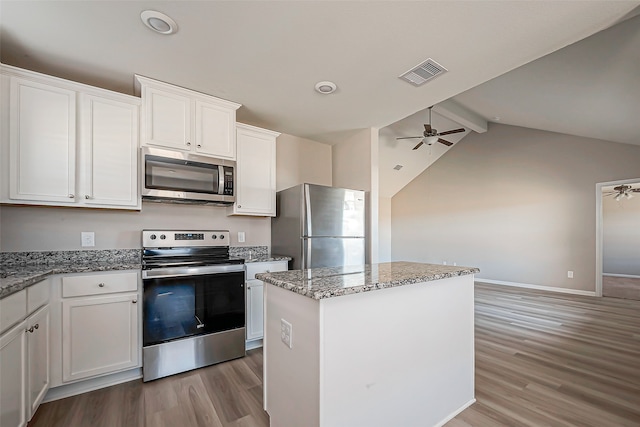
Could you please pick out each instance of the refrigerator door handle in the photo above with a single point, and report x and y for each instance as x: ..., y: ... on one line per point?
x: 307, y: 258
x: 307, y: 202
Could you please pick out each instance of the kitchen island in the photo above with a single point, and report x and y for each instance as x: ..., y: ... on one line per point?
x: 374, y: 345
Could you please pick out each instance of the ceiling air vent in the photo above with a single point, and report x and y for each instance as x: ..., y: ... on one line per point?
x: 424, y: 72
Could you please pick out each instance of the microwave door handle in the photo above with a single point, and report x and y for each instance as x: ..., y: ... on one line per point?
x: 220, y: 179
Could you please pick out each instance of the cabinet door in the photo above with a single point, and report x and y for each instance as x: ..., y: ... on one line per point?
x: 256, y: 181
x: 42, y: 142
x: 12, y: 377
x: 38, y: 359
x: 215, y: 130
x: 255, y: 310
x: 167, y: 119
x: 109, y: 152
x: 99, y: 335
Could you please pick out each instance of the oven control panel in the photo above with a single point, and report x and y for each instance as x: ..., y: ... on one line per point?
x: 179, y: 238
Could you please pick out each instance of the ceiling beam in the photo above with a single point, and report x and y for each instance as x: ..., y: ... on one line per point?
x: 459, y: 114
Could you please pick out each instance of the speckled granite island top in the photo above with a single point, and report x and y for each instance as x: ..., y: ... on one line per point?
x: 320, y: 283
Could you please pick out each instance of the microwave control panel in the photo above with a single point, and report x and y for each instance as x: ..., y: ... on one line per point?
x: 228, y: 181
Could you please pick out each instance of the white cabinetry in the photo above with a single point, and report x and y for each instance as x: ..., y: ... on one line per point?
x: 24, y: 354
x: 100, y: 327
x: 256, y: 172
x: 186, y: 120
x: 255, y: 298
x: 67, y: 144
x: 13, y: 370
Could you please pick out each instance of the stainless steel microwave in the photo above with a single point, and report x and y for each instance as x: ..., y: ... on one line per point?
x: 178, y: 177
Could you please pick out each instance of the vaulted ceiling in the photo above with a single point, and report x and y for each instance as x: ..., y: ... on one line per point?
x: 268, y: 55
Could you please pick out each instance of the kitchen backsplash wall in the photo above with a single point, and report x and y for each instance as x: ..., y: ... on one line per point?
x: 24, y: 229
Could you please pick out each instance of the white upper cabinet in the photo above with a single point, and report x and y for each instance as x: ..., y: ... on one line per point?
x: 186, y: 120
x: 110, y: 152
x: 256, y: 174
x: 67, y: 144
x: 42, y: 142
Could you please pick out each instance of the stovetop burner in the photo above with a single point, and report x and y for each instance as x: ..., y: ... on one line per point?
x: 186, y: 248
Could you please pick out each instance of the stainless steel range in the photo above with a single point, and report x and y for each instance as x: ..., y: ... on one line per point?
x: 194, y: 301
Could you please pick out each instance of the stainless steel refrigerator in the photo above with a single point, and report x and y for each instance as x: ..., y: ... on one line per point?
x: 319, y: 226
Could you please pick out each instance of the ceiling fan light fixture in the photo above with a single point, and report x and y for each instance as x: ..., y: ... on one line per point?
x: 159, y: 22
x: 618, y: 197
x: 430, y: 140
x: 326, y: 87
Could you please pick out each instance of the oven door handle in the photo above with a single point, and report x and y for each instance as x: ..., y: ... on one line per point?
x: 159, y: 273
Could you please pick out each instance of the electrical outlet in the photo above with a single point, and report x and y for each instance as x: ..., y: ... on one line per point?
x: 444, y: 262
x: 88, y: 238
x: 455, y: 264
x: 570, y: 274
x: 241, y: 236
x: 286, y: 331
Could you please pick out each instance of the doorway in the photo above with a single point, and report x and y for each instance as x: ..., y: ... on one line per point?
x: 618, y: 239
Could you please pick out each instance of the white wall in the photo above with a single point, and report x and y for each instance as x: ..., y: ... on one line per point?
x: 621, y: 236
x: 355, y: 165
x: 517, y: 203
x: 301, y: 160
x: 37, y: 228
x: 384, y: 229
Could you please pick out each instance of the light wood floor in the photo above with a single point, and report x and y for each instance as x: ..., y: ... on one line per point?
x: 621, y: 287
x: 542, y: 359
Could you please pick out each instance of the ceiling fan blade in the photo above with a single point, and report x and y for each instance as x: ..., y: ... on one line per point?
x: 410, y: 137
x: 449, y: 132
x: 445, y: 142
x: 427, y: 128
x: 418, y: 146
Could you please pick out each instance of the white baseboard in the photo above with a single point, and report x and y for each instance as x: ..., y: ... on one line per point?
x: 455, y: 413
x: 250, y: 345
x: 626, y: 276
x: 538, y: 287
x: 80, y: 387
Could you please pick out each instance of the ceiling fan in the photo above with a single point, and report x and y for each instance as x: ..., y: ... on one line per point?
x: 431, y: 135
x: 622, y: 191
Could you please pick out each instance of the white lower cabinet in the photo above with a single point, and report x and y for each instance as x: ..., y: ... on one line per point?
x: 25, y: 356
x: 255, y: 297
x: 13, y: 372
x: 255, y: 310
x: 100, y: 330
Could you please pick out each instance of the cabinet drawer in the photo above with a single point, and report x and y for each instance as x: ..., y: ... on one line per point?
x: 254, y: 268
x: 13, y: 309
x: 98, y: 284
x: 37, y: 296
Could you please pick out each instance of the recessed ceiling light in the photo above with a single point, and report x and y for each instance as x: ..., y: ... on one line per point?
x: 159, y: 22
x: 326, y: 88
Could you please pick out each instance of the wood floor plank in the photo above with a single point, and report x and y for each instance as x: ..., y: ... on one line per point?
x: 542, y: 359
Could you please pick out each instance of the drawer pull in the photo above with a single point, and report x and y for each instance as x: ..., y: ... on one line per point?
x: 101, y: 285
x: 71, y: 196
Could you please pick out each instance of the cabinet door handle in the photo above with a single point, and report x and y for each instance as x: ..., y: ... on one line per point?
x: 134, y: 301
x: 188, y: 144
x: 30, y: 330
x: 101, y: 285
x: 239, y: 206
x: 71, y: 196
x: 37, y: 325
x: 86, y: 196
x: 199, y: 146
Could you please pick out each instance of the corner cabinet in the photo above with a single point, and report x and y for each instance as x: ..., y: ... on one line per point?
x: 256, y: 172
x: 255, y: 299
x: 67, y: 144
x: 185, y: 120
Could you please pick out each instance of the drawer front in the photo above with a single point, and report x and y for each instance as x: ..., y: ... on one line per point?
x: 37, y: 296
x: 263, y: 267
x: 13, y: 309
x: 99, y: 284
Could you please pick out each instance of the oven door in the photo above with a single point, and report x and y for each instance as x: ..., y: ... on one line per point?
x: 186, y: 302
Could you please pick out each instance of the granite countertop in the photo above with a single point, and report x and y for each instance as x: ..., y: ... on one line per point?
x: 267, y: 258
x: 320, y: 283
x: 17, y: 277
